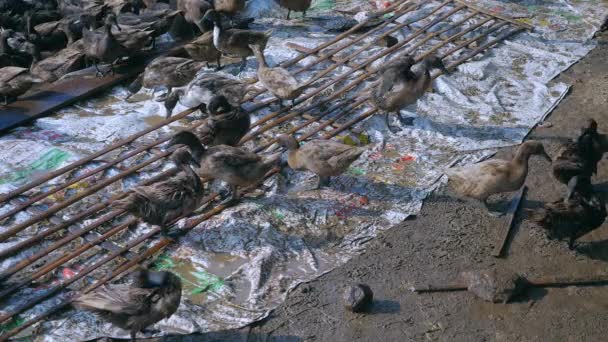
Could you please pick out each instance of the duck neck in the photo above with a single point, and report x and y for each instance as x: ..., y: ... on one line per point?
x: 108, y: 29
x: 217, y: 32
x: 4, y: 48
x: 521, y: 157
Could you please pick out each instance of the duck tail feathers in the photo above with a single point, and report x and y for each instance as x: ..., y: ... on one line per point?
x: 128, y: 203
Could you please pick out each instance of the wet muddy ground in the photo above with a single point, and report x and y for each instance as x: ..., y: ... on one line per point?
x: 450, y: 236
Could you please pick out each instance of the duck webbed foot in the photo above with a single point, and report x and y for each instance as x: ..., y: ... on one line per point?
x: 233, y: 197
x: 491, y: 212
x: 571, y: 187
x: 323, y: 182
x: 571, y: 243
x: 243, y: 64
x: 406, y: 121
x: 388, y: 124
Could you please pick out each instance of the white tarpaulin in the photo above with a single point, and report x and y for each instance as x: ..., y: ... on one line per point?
x: 240, y: 264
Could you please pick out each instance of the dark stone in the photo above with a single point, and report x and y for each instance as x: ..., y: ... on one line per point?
x: 493, y: 286
x: 357, y: 297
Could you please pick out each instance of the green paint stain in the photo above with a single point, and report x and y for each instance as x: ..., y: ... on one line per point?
x: 48, y: 161
x: 323, y: 5
x: 15, y: 322
x: 206, y: 281
x: 278, y: 215
x: 355, y: 171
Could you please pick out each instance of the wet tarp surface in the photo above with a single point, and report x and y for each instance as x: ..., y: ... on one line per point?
x: 239, y: 265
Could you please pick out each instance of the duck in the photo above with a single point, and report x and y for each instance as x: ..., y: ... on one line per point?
x: 8, y: 57
x: 276, y: 80
x: 15, y: 81
x: 157, y: 23
x: 61, y: 63
x: 235, y: 42
x: 166, y: 71
x: 180, y: 29
x: 135, y: 40
x: 402, y: 83
x: 163, y: 202
x: 194, y: 11
x: 326, y: 158
x: 579, y: 158
x: 227, y: 125
x: 152, y: 297
x: 574, y: 216
x: 229, y: 7
x: 201, y: 90
x: 103, y: 46
x: 202, y: 49
x: 296, y: 6
x: 233, y: 165
x: 482, y: 180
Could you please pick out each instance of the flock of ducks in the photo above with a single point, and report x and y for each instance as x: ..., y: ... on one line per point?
x: 580, y: 211
x: 212, y: 152
x: 47, y: 39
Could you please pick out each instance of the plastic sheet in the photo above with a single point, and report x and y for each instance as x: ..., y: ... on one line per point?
x: 239, y: 265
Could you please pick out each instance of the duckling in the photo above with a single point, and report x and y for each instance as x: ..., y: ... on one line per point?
x: 167, y: 71
x: 201, y: 90
x: 15, y: 81
x: 235, y: 42
x: 578, y: 159
x: 103, y: 46
x: 402, y: 83
x: 277, y: 80
x: 572, y: 217
x: 295, y: 5
x: 482, y: 180
x: 233, y: 165
x: 194, y: 11
x: 202, y: 49
x: 153, y: 296
x: 226, y: 126
x: 326, y: 158
x: 161, y: 203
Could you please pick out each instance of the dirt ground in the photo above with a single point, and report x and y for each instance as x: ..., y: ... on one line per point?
x: 450, y: 236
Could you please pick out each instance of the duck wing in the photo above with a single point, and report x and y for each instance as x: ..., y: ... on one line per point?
x: 118, y: 299
x: 244, y: 38
x: 232, y: 156
x: 479, y: 180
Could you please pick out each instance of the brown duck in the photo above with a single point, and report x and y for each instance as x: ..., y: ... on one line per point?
x: 326, y: 158
x: 579, y: 159
x: 295, y: 5
x: 402, y: 83
x: 571, y: 218
x: 163, y: 202
x: 202, y: 49
x: 226, y: 126
x: 15, y: 81
x: 482, y: 180
x: 276, y: 80
x: 167, y: 71
x: 235, y: 42
x: 103, y: 46
x: 152, y: 297
x: 235, y: 166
